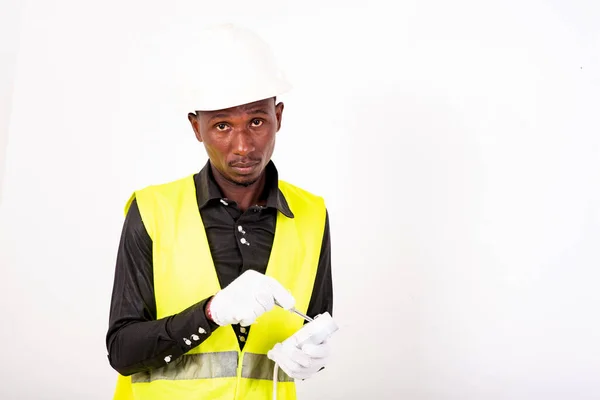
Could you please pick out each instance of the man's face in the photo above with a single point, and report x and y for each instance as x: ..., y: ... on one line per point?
x: 239, y: 140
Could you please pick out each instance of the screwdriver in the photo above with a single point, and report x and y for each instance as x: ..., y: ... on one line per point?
x: 306, y: 317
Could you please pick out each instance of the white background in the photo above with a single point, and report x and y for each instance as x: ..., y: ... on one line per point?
x: 456, y: 143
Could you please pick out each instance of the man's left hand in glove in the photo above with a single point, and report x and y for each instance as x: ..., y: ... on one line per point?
x: 300, y: 361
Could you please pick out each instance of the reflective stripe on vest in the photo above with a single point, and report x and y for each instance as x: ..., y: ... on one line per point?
x: 213, y: 365
x: 184, y: 274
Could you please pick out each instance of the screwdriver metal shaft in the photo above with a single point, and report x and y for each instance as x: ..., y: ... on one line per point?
x: 306, y: 317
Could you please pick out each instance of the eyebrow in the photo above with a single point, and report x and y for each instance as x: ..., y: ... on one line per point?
x: 218, y: 116
x: 250, y: 111
x: 257, y: 111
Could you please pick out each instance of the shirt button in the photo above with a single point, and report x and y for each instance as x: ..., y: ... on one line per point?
x: 242, y: 339
x: 242, y: 329
x: 244, y: 241
x: 195, y: 337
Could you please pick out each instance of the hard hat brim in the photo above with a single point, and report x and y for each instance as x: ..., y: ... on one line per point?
x: 230, y: 97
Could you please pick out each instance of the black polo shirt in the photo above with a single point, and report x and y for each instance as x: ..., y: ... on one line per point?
x: 238, y: 241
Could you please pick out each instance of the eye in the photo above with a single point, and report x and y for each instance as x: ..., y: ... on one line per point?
x: 257, y: 122
x: 221, y: 126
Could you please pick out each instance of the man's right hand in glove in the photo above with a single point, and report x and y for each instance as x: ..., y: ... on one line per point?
x: 247, y: 298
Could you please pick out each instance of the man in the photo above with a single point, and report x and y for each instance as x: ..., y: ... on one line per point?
x: 204, y: 260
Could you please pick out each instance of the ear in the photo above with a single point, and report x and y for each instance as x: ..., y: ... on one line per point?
x: 193, y: 118
x: 279, y: 114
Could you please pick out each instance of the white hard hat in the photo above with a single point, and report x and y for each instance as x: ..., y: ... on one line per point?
x: 232, y: 66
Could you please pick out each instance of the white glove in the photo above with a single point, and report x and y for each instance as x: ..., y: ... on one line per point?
x: 300, y: 361
x: 246, y: 298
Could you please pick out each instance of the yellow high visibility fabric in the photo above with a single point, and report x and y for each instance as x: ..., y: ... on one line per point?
x: 184, y: 274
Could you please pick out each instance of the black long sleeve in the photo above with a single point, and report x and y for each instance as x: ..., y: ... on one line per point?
x: 136, y: 341
x: 322, y: 294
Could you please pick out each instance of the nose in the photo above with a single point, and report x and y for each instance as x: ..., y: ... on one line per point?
x: 242, y: 143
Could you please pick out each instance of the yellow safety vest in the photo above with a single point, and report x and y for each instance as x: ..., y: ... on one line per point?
x: 184, y: 274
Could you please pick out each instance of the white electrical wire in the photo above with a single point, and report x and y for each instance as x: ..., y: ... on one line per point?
x: 275, y: 373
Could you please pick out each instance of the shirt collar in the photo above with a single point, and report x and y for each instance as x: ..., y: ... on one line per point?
x: 208, y: 190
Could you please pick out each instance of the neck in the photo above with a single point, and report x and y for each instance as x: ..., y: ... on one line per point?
x: 244, y: 196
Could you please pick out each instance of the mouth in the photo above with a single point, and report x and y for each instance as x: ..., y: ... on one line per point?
x: 245, y: 168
